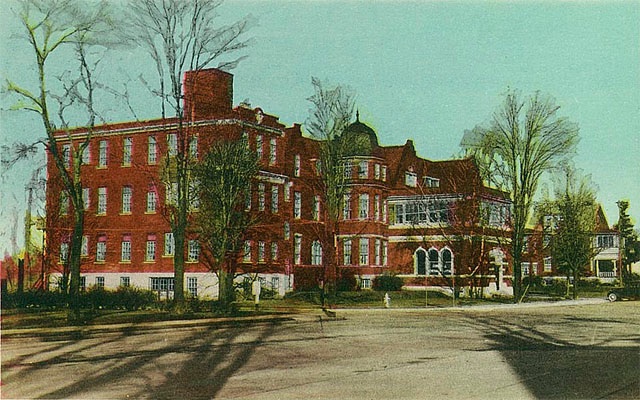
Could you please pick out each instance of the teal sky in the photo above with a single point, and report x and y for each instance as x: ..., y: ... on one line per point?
x: 422, y: 70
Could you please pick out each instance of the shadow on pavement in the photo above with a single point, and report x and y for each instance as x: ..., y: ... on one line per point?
x: 175, y: 364
x: 551, y: 367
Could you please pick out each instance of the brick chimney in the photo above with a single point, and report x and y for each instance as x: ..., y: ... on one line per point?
x: 208, y: 93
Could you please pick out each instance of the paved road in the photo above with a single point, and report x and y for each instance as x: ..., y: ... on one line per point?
x: 578, y: 351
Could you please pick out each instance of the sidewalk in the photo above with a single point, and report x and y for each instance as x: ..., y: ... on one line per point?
x: 308, y: 316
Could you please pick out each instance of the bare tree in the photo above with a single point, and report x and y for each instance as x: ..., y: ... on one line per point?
x: 331, y: 113
x: 525, y: 139
x: 224, y: 177
x: 180, y: 36
x: 50, y: 26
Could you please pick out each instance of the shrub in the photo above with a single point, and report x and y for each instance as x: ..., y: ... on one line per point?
x: 346, y: 281
x: 387, y: 283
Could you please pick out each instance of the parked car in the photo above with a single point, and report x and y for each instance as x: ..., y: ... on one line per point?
x: 624, y: 292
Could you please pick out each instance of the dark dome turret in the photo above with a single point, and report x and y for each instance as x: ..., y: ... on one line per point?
x: 361, y: 138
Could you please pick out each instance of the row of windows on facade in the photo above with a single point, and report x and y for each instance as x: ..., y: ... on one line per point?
x: 528, y: 268
x: 151, y: 248
x: 380, y: 251
x: 155, y: 283
x: 127, y: 150
x: 363, y: 169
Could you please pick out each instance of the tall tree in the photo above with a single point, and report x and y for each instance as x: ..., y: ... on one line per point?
x: 628, y: 239
x: 49, y: 27
x: 180, y: 36
x: 224, y: 178
x: 573, y: 213
x: 331, y: 113
x: 525, y: 139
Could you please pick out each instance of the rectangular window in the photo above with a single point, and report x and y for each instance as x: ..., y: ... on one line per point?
x: 410, y: 179
x: 275, y: 283
x: 363, y: 206
x: 385, y: 213
x: 101, y: 249
x: 194, y: 194
x: 287, y: 231
x: 431, y: 182
x: 66, y: 155
x: 272, y: 151
x: 246, y: 256
x: 86, y: 199
x: 274, y: 251
x: 363, y: 170
x: 259, y: 147
x: 526, y: 267
x: 297, y: 249
x: 384, y: 173
x: 297, y: 205
x: 194, y: 251
x: 287, y: 191
x: 64, y: 252
x: 378, y: 252
x: 547, y: 264
x: 261, y: 197
x: 125, y: 281
x: 385, y: 250
x: 127, y: 150
x: 125, y: 253
x: 100, y: 281
x: 261, y: 251
x: 152, y: 201
x: 365, y: 283
x: 172, y: 144
x: 84, y: 250
x: 274, y: 199
x: 346, y: 207
x: 151, y: 248
x: 86, y: 154
x: 348, y: 170
x: 605, y: 241
x: 64, y: 203
x: 376, y: 207
x: 346, y: 252
x: 102, y: 200
x: 171, y: 193
x: 152, y: 150
x: 296, y: 165
x: 193, y: 147
x: 162, y: 284
x: 247, y: 198
x: 364, y: 251
x: 192, y: 286
x: 83, y: 283
x: 169, y: 244
x: 126, y: 200
x: 376, y: 171
x: 102, y: 153
x: 316, y: 208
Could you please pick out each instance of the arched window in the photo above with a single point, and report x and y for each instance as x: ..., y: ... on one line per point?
x: 434, y: 262
x: 447, y: 262
x: 421, y: 261
x: 316, y: 253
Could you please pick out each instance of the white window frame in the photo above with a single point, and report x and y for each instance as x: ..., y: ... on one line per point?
x: 346, y: 251
x: 297, y: 205
x: 246, y: 256
x: 261, y: 197
x: 192, y: 286
x: 86, y: 155
x: 152, y: 150
x: 86, y: 198
x: 261, y: 251
x: 169, y: 244
x: 297, y: 249
x: 101, y: 250
x: 316, y: 208
x: 125, y: 251
x: 84, y: 248
x: 363, y: 206
x: 103, y: 154
x: 127, y: 150
x: 273, y: 149
x: 363, y: 169
x: 152, y: 201
x: 172, y: 144
x: 194, y: 251
x: 274, y: 199
x: 127, y: 199
x: 316, y: 253
x: 259, y: 147
x: 296, y: 165
x: 363, y: 255
x: 150, y: 254
x: 102, y: 200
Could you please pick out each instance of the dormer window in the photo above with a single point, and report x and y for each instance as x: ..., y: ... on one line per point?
x: 411, y: 179
x: 431, y: 182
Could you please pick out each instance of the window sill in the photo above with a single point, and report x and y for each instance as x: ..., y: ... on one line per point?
x: 125, y: 262
x: 126, y: 213
x: 101, y: 167
x: 150, y: 213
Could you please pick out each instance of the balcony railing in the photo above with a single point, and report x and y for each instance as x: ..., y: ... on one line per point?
x: 606, y: 274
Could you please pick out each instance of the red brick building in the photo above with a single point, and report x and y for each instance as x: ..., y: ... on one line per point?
x: 403, y: 214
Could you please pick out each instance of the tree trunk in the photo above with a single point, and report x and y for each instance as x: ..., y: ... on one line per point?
x: 75, y: 262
